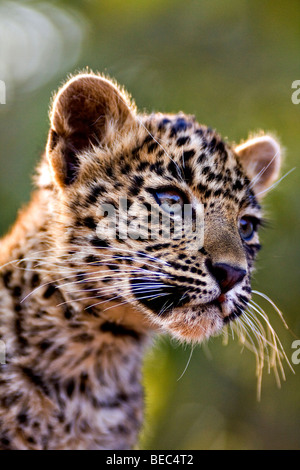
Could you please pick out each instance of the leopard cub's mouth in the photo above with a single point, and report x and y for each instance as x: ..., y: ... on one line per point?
x: 171, y: 307
x: 198, y: 322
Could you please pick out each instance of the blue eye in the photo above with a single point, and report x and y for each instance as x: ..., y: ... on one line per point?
x: 170, y: 200
x: 247, y: 227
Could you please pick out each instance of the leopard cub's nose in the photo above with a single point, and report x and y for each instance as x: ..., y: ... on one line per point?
x: 226, y: 275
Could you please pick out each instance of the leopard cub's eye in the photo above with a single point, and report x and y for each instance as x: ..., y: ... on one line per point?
x: 170, y: 200
x: 247, y: 228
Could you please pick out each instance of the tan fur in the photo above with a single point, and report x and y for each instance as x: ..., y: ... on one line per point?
x: 74, y: 312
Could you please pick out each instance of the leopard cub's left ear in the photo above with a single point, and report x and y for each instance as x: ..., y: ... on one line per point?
x: 261, y: 159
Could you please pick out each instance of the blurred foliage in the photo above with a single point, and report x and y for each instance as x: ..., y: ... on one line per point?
x: 232, y: 65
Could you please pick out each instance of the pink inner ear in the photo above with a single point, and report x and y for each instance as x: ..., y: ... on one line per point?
x: 266, y: 168
x: 260, y: 158
x: 81, y: 112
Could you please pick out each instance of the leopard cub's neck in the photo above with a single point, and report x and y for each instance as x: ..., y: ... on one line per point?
x: 76, y: 355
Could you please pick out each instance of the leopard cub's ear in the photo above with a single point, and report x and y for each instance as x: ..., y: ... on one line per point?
x: 261, y: 159
x: 84, y: 113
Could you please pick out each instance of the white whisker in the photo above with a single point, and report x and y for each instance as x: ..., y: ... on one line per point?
x: 262, y: 171
x: 187, y: 364
x: 276, y: 184
x: 261, y: 339
x: 273, y: 305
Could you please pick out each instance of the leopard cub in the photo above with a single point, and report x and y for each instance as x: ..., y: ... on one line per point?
x: 85, y: 284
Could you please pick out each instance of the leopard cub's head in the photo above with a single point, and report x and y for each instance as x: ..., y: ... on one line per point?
x: 155, y: 211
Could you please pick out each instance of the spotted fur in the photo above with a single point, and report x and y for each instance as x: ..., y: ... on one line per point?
x: 78, y: 307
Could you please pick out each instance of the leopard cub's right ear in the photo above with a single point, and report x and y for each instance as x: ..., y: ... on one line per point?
x: 81, y: 113
x: 261, y: 159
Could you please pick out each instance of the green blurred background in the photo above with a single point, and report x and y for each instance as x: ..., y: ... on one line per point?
x: 231, y: 64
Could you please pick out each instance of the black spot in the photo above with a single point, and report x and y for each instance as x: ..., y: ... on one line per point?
x: 142, y: 166
x: 252, y: 249
x: 157, y: 168
x: 16, y: 291
x: 227, y: 194
x: 243, y: 299
x: 211, y: 176
x: 136, y: 153
x: 68, y: 313
x: 98, y: 243
x: 113, y: 267
x: 153, y: 146
x: 220, y: 147
x: 157, y: 246
x: 125, y: 169
x: 90, y: 222
x: 187, y: 155
x: 219, y: 177
x: 163, y: 124
x: 5, y: 443
x: 83, y: 380
x: 35, y: 280
x: 184, y: 268
x: 188, y: 173
x: 70, y: 387
x: 137, y: 183
x: 36, y: 379
x: 50, y: 290
x: 22, y: 340
x: 60, y: 416
x: 11, y: 399
x: 218, y: 192
x: 247, y: 289
x: 182, y: 141
x: 109, y: 171
x: 22, y: 417
x: 58, y: 352
x: 201, y: 158
x: 180, y: 125
x: 237, y: 186
x: 147, y: 139
x: 95, y: 192
x: 31, y: 440
x: 68, y: 428
x: 7, y: 278
x: 235, y: 314
x: 119, y: 330
x: 163, y: 300
x: 45, y: 344
x: 185, y: 279
x: 173, y: 169
x: 92, y: 259
x: 201, y: 188
x: 212, y: 145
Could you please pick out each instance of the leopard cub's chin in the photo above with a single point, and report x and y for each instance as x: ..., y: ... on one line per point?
x: 195, y: 323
